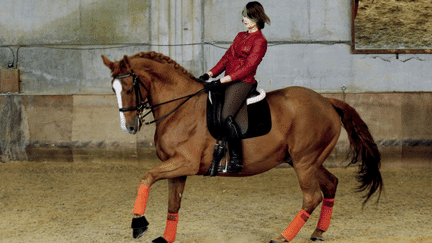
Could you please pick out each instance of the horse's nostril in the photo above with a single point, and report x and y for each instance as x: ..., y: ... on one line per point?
x: 132, y: 130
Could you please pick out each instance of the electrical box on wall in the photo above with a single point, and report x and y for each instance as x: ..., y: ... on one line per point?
x: 9, y: 81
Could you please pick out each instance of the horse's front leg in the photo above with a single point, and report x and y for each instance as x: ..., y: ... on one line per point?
x: 176, y: 169
x: 176, y: 188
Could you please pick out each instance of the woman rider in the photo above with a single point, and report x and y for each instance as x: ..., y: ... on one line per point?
x: 240, y: 63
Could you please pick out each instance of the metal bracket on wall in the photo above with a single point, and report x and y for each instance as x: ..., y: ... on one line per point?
x: 343, y: 91
x: 14, y: 63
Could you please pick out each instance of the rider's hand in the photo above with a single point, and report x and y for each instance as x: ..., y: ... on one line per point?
x: 204, y: 77
x: 225, y: 79
x: 211, y: 85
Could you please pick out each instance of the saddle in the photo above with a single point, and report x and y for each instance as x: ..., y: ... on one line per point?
x: 258, y: 117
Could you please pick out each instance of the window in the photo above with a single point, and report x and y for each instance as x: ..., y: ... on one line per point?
x: 392, y: 26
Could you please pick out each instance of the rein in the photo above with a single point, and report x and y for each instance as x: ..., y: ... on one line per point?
x: 141, y: 105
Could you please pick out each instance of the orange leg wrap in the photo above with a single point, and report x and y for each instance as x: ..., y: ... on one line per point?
x: 295, y: 226
x: 171, y: 227
x: 326, y: 213
x: 141, y: 201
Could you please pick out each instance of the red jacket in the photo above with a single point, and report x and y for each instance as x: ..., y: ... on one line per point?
x: 241, y: 60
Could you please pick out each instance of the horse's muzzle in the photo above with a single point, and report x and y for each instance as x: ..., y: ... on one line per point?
x: 134, y: 126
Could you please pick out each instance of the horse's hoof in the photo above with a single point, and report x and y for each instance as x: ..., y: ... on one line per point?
x: 317, y: 239
x: 139, y: 226
x: 137, y: 233
x: 278, y: 240
x: 159, y: 240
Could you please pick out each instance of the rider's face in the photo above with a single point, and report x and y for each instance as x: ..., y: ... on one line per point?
x: 249, y: 23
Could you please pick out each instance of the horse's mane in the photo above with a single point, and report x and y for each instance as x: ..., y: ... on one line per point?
x: 161, y: 58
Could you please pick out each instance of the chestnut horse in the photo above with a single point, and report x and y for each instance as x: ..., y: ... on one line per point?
x: 305, y: 129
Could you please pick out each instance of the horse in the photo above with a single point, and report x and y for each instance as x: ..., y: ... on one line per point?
x: 305, y: 129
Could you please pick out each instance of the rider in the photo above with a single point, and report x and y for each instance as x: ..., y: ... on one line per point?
x: 240, y: 63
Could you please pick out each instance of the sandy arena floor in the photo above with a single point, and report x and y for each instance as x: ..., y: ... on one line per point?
x: 93, y: 201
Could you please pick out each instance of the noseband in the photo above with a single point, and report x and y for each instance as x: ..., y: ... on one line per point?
x: 145, y: 105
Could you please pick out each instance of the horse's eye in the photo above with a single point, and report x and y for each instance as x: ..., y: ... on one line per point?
x: 129, y: 91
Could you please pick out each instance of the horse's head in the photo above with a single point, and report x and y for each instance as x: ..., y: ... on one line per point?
x: 133, y: 79
x: 130, y: 92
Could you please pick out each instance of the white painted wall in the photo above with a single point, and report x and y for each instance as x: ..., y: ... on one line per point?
x: 56, y: 45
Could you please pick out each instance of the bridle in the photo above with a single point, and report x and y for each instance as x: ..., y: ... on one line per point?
x: 145, y: 105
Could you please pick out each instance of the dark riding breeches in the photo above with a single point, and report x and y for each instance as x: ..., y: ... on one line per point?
x: 235, y: 96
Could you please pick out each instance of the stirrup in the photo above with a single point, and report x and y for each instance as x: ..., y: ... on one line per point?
x: 230, y: 167
x: 234, y: 167
x: 218, y: 153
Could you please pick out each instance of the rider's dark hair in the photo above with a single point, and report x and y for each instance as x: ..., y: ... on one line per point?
x: 255, y: 12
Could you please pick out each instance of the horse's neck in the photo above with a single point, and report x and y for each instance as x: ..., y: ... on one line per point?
x: 171, y: 86
x: 169, y: 83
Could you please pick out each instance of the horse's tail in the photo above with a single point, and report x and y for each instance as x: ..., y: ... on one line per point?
x: 362, y: 147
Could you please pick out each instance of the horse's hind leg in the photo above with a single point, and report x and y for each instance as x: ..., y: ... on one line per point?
x: 314, y: 181
x: 306, y: 170
x: 328, y: 183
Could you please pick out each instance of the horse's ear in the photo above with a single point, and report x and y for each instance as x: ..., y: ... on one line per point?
x: 126, y: 61
x: 107, y: 62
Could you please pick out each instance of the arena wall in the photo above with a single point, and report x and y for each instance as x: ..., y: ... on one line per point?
x: 57, y: 102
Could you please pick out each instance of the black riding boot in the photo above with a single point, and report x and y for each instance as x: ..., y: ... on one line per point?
x: 234, y: 145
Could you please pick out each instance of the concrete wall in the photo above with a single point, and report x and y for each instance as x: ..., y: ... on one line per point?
x: 55, y: 46
x: 83, y: 22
